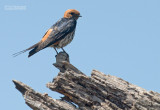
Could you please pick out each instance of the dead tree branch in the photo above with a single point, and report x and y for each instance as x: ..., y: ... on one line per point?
x: 98, y: 92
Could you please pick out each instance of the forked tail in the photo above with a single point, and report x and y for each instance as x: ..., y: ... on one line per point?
x: 23, y: 51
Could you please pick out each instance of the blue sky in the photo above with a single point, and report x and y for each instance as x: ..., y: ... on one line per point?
x: 117, y: 37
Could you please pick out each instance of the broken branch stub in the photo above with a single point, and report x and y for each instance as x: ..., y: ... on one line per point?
x: 95, y: 92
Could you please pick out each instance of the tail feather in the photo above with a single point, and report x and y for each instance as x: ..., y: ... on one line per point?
x: 18, y: 53
x: 23, y: 51
x: 33, y: 51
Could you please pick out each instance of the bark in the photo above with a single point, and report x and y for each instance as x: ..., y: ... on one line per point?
x: 81, y: 92
x: 38, y: 101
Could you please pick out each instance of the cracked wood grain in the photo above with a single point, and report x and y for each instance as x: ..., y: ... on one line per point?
x: 96, y: 92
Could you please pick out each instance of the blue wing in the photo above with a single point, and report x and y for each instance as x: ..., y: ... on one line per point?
x: 56, y: 33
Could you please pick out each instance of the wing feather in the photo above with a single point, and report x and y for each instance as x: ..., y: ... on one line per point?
x: 59, y: 31
x: 56, y: 33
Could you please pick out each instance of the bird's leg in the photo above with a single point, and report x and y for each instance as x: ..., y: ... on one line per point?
x: 63, y: 50
x: 56, y: 50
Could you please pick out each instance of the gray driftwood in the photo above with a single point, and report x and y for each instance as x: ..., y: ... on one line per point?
x: 81, y: 92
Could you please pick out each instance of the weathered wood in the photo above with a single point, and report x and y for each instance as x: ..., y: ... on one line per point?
x: 38, y: 101
x: 102, y: 91
x: 98, y: 92
x: 62, y: 63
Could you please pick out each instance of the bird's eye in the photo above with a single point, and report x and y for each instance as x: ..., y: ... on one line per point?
x: 72, y: 13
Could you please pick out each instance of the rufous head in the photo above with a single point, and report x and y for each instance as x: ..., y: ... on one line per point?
x: 72, y: 13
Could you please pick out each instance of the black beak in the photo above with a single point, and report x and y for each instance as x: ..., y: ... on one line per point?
x: 79, y: 16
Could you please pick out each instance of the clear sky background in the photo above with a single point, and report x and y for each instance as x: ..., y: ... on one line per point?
x: 117, y: 37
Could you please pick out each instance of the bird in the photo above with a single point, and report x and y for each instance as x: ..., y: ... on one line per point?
x: 58, y: 35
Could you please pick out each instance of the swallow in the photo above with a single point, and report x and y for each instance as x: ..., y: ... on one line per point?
x: 58, y: 35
